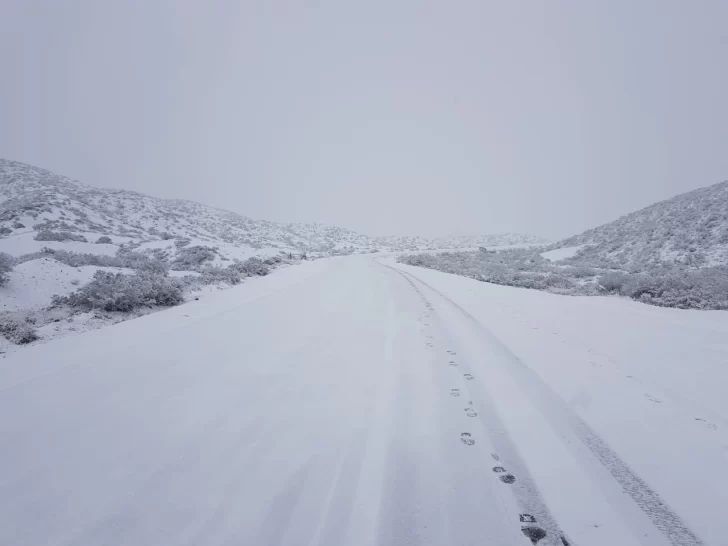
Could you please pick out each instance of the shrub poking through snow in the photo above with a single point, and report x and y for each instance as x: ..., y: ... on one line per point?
x: 120, y: 292
x: 17, y: 331
x: 6, y: 266
x: 191, y: 258
x: 251, y: 267
x: 104, y: 240
x: 60, y: 236
x: 130, y: 260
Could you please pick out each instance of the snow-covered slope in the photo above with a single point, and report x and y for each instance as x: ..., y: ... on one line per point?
x: 34, y: 199
x: 690, y: 229
x: 59, y: 233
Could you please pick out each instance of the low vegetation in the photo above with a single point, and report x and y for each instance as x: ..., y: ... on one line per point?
x: 6, y: 266
x: 60, y: 236
x: 121, y: 292
x: 17, y: 330
x: 667, y: 285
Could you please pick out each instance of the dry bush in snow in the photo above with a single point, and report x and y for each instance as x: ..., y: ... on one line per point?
x: 120, y: 292
x: 6, y: 266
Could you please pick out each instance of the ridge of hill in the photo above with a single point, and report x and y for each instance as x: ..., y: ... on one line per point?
x: 673, y: 253
x: 42, y: 201
x: 690, y: 229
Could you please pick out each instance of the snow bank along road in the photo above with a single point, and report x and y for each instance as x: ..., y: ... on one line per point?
x: 349, y: 401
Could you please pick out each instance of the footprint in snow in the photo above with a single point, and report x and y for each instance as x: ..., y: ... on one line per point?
x: 498, y: 469
x: 470, y: 412
x: 653, y: 399
x: 508, y: 478
x: 455, y: 392
x: 429, y: 344
x: 468, y: 377
x: 527, y: 518
x: 452, y: 363
x: 495, y: 457
x: 535, y: 534
x: 453, y: 353
x: 711, y: 426
x: 466, y: 438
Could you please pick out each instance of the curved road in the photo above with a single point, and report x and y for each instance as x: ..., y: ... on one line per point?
x: 344, y: 402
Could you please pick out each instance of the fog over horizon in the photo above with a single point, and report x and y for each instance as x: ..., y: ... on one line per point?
x: 406, y: 118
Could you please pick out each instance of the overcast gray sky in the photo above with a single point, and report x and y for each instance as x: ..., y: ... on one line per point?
x: 384, y: 116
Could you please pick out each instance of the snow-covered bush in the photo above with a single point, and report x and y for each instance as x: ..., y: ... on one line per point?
x: 120, y: 292
x: 613, y: 281
x: 191, y: 258
x: 215, y: 275
x: 59, y: 236
x: 6, y: 266
x: 17, y: 330
x: 251, y: 267
x: 5, y: 230
x: 582, y: 272
x: 705, y: 288
x: 104, y: 240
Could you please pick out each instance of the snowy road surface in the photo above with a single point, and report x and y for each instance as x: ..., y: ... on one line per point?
x: 342, y: 402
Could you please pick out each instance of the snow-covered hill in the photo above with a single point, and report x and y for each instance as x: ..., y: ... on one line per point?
x: 689, y: 229
x: 35, y: 200
x: 73, y: 256
x: 673, y: 253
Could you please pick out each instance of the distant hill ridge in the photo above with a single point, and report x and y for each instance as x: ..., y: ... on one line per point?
x: 39, y: 200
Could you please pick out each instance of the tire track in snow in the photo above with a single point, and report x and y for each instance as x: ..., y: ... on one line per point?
x: 670, y: 525
x: 526, y: 495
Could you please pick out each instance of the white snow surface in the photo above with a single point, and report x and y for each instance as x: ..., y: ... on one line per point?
x: 561, y: 253
x: 326, y: 404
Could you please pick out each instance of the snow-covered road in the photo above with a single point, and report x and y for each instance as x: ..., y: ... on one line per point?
x: 344, y: 402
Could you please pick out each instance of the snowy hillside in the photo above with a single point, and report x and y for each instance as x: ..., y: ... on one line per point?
x: 34, y: 200
x: 672, y: 254
x: 73, y: 256
x: 690, y: 229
